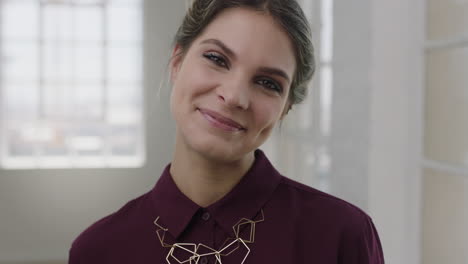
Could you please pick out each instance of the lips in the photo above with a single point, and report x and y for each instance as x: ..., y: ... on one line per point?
x: 221, y: 121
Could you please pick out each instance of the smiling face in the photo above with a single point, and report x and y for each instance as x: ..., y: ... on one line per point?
x: 231, y: 86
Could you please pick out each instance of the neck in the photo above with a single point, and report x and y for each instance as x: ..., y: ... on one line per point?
x: 204, y: 180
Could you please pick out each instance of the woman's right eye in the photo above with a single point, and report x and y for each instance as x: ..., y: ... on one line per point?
x: 216, y: 58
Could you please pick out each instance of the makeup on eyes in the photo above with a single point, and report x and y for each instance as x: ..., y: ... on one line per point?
x: 217, y: 58
x: 277, y: 87
x: 221, y: 61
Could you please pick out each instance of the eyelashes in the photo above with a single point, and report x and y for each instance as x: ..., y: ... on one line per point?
x: 216, y: 58
x: 270, y: 85
x: 266, y: 82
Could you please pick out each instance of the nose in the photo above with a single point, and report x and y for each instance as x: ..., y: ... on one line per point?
x: 235, y: 93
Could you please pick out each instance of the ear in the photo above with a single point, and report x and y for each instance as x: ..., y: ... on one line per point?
x: 176, y: 62
x: 286, y: 109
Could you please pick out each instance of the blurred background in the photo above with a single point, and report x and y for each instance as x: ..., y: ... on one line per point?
x: 85, y: 123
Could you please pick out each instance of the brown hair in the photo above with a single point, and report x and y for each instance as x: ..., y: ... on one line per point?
x: 287, y: 13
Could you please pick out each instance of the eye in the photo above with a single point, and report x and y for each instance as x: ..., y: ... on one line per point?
x: 270, y: 85
x: 216, y: 58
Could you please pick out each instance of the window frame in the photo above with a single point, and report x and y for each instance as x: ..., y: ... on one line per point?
x: 37, y: 161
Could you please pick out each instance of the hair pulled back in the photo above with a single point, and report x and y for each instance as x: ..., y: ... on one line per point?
x: 287, y: 13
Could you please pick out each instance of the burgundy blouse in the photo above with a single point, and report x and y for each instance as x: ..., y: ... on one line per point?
x: 300, y: 225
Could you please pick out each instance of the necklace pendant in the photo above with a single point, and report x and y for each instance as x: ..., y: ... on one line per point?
x: 192, y: 252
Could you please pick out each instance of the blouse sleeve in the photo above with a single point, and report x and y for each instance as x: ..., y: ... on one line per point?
x: 361, y: 244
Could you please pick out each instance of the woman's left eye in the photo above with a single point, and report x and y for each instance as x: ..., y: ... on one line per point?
x: 270, y: 85
x: 216, y: 58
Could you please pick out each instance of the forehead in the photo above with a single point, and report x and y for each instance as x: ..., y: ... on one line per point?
x: 254, y: 36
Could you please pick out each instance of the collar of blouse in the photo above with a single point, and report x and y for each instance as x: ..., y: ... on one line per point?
x: 245, y: 200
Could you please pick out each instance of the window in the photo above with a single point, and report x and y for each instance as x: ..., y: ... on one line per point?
x: 71, y: 83
x: 300, y: 146
x: 445, y: 141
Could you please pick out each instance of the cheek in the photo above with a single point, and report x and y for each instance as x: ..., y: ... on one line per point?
x: 192, y: 81
x: 267, y: 116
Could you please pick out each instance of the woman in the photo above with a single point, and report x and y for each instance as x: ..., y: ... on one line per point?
x: 237, y: 68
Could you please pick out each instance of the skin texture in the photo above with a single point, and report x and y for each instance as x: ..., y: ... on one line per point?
x: 240, y: 68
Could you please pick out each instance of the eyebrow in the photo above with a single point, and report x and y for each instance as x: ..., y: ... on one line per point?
x: 229, y: 52
x: 275, y: 71
x: 220, y: 44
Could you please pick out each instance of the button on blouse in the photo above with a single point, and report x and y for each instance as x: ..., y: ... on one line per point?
x: 206, y: 216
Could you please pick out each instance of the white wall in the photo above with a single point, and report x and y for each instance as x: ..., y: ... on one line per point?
x: 42, y: 211
x: 349, y: 142
x: 376, y: 138
x: 394, y: 197
x: 396, y: 114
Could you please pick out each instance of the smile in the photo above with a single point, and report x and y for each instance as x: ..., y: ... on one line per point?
x: 219, y: 121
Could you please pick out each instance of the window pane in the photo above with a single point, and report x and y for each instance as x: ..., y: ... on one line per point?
x: 57, y: 146
x: 88, y: 98
x: 124, y: 64
x: 56, y: 62
x: 89, y: 63
x: 129, y: 3
x: 445, y: 214
x: 88, y: 24
x: 21, y: 102
x: 123, y: 22
x: 55, y: 102
x: 124, y: 105
x: 326, y: 36
x: 88, y: 139
x: 447, y: 106
x: 52, y: 141
x: 56, y: 22
x: 64, y: 63
x: 18, y: 144
x: 123, y: 140
x: 88, y: 2
x: 124, y: 115
x: 19, y: 20
x: 447, y: 19
x: 69, y: 100
x: 20, y: 61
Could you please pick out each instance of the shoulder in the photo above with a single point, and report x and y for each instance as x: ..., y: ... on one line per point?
x: 113, y: 229
x: 310, y: 200
x: 318, y: 214
x: 305, y: 206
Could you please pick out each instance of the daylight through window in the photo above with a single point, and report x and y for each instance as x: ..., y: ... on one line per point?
x: 71, y: 83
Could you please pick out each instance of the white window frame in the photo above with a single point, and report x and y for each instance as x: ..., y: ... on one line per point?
x: 105, y: 159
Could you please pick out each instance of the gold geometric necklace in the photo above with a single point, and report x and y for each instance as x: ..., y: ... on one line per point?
x: 194, y: 250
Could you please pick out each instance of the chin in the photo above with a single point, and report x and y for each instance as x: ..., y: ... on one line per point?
x: 220, y: 153
x: 223, y: 152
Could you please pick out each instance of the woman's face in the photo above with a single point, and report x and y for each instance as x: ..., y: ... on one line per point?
x: 232, y: 85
